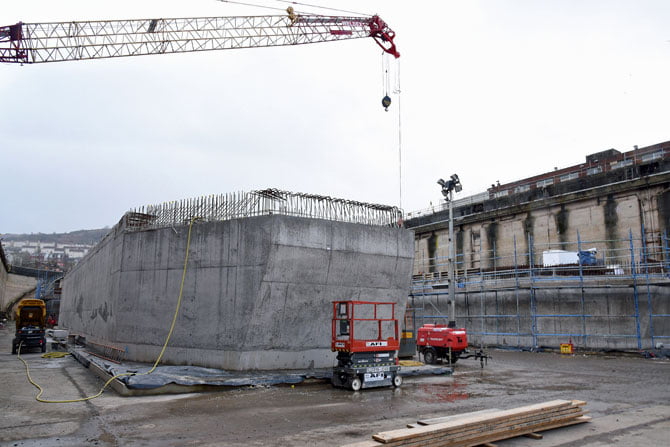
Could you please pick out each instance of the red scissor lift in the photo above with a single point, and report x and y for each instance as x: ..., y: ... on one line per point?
x: 365, y: 337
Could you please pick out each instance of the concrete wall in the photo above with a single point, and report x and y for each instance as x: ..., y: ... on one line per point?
x: 13, y: 287
x: 257, y: 292
x: 606, y: 316
x: 4, y: 274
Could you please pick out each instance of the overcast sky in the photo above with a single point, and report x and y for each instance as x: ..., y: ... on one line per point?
x: 491, y: 90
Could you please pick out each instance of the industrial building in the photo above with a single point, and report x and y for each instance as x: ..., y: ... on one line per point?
x: 615, y: 205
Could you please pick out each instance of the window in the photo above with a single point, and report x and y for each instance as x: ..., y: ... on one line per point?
x: 522, y: 188
x: 621, y: 164
x: 654, y: 156
x: 502, y: 193
x: 543, y: 183
x: 570, y: 176
x: 596, y: 170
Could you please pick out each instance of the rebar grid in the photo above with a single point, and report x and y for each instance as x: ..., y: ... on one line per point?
x: 261, y: 203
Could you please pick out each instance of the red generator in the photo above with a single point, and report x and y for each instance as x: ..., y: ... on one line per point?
x: 365, y: 337
x: 438, y: 341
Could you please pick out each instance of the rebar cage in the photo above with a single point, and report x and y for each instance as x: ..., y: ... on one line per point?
x: 261, y: 203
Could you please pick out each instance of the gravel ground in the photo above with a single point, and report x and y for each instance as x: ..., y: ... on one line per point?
x: 626, y: 396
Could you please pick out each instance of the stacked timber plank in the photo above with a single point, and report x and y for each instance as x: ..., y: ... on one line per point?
x: 483, y: 427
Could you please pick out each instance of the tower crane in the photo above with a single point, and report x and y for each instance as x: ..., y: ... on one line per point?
x: 31, y: 43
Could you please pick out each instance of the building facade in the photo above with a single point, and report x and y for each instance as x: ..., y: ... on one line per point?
x: 603, y: 202
x: 607, y: 220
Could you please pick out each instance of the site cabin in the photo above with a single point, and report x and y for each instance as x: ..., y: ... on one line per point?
x: 365, y: 337
x: 31, y: 316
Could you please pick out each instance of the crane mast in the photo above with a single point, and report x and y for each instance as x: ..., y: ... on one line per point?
x: 30, y: 43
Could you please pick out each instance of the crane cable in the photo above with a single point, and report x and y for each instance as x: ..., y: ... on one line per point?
x: 255, y: 5
x: 153, y: 368
x: 386, y: 102
x: 324, y: 7
x: 396, y: 90
x: 252, y: 4
x: 386, y: 83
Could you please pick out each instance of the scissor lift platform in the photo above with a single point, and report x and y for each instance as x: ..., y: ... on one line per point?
x: 365, y: 337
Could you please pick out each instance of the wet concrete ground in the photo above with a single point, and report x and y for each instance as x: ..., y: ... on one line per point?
x: 627, y: 398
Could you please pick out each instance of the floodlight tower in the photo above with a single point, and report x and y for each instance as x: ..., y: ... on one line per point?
x: 448, y: 188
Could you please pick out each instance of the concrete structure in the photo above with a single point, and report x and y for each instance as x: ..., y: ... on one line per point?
x: 601, y: 205
x: 12, y: 287
x: 257, y: 292
x: 604, y: 313
x: 616, y: 203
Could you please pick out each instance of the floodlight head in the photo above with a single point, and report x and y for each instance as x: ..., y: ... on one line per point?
x: 442, y: 183
x: 455, y: 178
x: 458, y: 188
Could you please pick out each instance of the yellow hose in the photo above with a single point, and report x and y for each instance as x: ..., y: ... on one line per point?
x: 410, y: 363
x: 55, y: 355
x: 160, y: 356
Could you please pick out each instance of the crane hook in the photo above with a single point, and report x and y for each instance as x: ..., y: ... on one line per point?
x: 386, y: 102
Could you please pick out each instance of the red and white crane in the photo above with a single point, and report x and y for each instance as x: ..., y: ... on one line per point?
x: 31, y: 43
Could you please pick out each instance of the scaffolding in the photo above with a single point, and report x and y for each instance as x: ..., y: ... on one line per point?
x: 616, y: 299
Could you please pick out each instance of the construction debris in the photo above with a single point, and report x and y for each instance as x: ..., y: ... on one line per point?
x: 484, y: 427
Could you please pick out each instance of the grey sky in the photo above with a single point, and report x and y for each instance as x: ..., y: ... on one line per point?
x: 491, y: 90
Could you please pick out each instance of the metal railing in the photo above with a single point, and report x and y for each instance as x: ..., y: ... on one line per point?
x: 261, y: 203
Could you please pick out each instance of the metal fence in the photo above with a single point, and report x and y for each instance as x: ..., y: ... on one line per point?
x: 638, y: 268
x: 261, y: 203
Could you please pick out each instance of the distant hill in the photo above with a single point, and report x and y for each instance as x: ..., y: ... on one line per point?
x: 88, y: 237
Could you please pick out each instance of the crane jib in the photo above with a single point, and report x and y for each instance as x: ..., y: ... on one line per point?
x: 28, y: 43
x: 11, y: 38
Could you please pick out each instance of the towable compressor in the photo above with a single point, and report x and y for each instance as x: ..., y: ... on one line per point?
x: 365, y: 337
x: 438, y: 341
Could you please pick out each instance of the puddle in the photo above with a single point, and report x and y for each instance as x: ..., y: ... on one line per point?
x: 443, y: 392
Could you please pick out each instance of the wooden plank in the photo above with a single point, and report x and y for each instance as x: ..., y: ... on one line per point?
x: 531, y: 411
x: 485, y: 437
x: 495, y: 434
x: 370, y: 443
x: 579, y: 420
x: 463, y: 431
x: 485, y: 432
x: 454, y: 417
x: 502, y: 415
x: 512, y: 432
x: 536, y: 421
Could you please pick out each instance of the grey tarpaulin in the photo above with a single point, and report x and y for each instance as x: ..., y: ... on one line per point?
x: 196, y: 375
